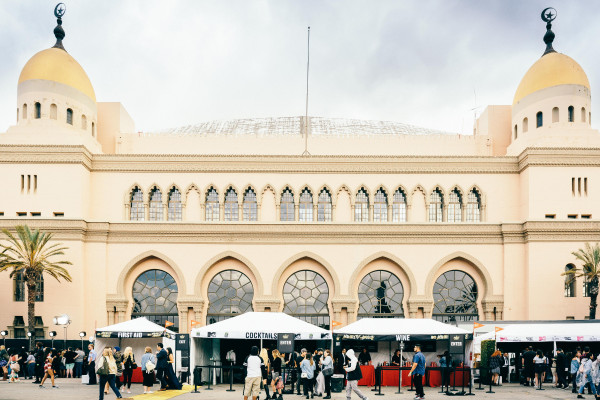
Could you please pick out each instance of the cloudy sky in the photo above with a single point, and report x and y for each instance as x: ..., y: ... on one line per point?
x: 173, y: 63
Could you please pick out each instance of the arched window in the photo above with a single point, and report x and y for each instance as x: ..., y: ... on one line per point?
x: 455, y: 297
x: 83, y: 122
x: 525, y: 125
x: 324, y: 206
x: 380, y: 206
x: 287, y: 205
x: 305, y: 294
x: 399, y: 206
x: 436, y: 206
x: 539, y: 117
x: 24, y: 111
x: 212, y: 205
x: 69, y: 116
x: 570, y: 281
x: 361, y: 206
x: 555, y: 115
x: 474, y: 206
x: 155, y: 297
x: 38, y: 111
x: 20, y: 292
x: 516, y: 133
x: 305, y: 212
x: 93, y: 130
x: 174, y: 210
x: 454, y: 206
x: 380, y: 295
x: 156, y: 205
x: 53, y: 111
x: 583, y: 114
x: 231, y: 205
x: 571, y: 114
x: 250, y: 206
x: 136, y: 203
x: 230, y: 293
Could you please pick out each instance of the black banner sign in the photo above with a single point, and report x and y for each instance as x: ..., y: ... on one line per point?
x: 402, y: 337
x: 285, y: 342
x: 457, y: 344
x: 133, y: 335
x: 182, y: 342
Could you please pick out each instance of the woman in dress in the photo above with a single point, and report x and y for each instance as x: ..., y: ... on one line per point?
x: 172, y: 381
x: 147, y: 372
x: 48, y: 371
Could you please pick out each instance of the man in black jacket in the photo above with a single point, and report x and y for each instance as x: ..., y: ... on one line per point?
x: 39, y: 363
x: 162, y: 364
x: 561, y: 369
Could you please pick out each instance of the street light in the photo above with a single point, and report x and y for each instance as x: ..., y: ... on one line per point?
x: 30, y: 335
x: 63, y: 320
x: 4, y: 334
x: 82, y: 335
x: 52, y: 334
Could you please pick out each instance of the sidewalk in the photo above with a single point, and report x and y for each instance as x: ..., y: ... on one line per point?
x: 73, y: 390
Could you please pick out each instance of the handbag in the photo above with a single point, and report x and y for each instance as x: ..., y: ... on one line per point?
x: 304, y: 375
x: 328, y: 371
x: 150, y: 366
x: 14, y: 366
x: 104, y: 369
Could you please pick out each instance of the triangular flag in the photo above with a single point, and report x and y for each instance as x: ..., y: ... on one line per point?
x: 498, y: 329
x: 168, y: 324
x: 335, y: 323
x: 477, y: 325
x: 194, y: 323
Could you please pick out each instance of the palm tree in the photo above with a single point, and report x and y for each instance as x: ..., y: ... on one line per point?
x: 590, y: 257
x: 29, y: 254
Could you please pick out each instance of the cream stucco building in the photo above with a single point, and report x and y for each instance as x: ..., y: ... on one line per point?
x: 205, y: 221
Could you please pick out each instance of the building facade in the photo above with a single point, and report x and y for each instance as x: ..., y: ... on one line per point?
x: 374, y: 219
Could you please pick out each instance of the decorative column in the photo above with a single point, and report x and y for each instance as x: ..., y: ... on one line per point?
x: 344, y: 309
x: 272, y: 304
x: 420, y: 302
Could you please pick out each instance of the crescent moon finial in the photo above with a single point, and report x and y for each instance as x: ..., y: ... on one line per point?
x: 59, y: 32
x: 60, y: 10
x: 548, y: 15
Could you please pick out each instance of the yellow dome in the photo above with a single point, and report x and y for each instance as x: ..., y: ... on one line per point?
x: 553, y: 69
x: 57, y: 65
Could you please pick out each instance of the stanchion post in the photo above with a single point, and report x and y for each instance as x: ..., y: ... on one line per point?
x: 479, y: 388
x: 462, y: 382
x: 411, y: 384
x: 490, y: 391
x: 399, y: 379
x: 470, y: 383
x: 209, y: 377
x: 442, y: 374
x: 380, y: 382
x: 454, y: 382
x: 231, y: 389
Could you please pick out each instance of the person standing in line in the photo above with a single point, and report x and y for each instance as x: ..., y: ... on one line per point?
x: 575, y: 364
x: 70, y: 362
x: 22, y: 362
x: 584, y: 375
x: 78, y: 362
x: 299, y: 360
x: 504, y: 368
x: 418, y: 371
x: 327, y: 370
x: 528, y: 366
x: 561, y: 368
x: 254, y: 371
x: 495, y: 362
x: 446, y: 366
x: 91, y: 365
x: 266, y: 380
x: 39, y: 363
x: 161, y: 366
x: 354, y: 374
x: 276, y: 375
x: 308, y: 375
x: 540, y: 362
x: 30, y: 365
x: 148, y: 366
x: 128, y: 367
x: 107, y: 370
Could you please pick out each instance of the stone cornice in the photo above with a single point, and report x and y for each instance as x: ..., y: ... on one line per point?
x: 44, y: 154
x: 559, y: 157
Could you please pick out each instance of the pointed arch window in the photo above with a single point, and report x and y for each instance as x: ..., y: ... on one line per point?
x: 305, y: 212
x: 455, y: 297
x: 436, y: 206
x: 69, y: 116
x: 380, y: 206
x: 250, y: 206
x: 155, y: 297
x: 571, y: 114
x: 136, y: 204
x: 174, y: 209
x: 399, y: 206
x: 231, y: 205
x: 380, y: 295
x: 570, y: 281
x: 305, y: 294
x: 20, y: 291
x: 454, y: 206
x: 324, y: 206
x: 361, y: 206
x: 212, y: 204
x: 156, y: 205
x: 38, y: 111
x: 230, y: 293
x: 474, y: 206
x: 287, y: 205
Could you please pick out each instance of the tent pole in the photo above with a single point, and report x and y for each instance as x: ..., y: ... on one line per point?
x: 261, y: 344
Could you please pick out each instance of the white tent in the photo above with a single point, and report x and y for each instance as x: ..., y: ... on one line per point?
x: 261, y: 325
x: 137, y: 334
x: 405, y: 329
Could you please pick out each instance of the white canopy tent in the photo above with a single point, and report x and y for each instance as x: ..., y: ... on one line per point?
x: 137, y: 334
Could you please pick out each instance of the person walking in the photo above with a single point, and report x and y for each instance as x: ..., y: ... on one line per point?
x: 504, y: 367
x: 30, y: 365
x: 48, y: 370
x: 148, y: 366
x: 584, y: 375
x: 308, y: 375
x: 128, y: 366
x: 91, y: 365
x: 4, y: 357
x: 172, y: 381
x: 107, y: 370
x: 118, y: 356
x: 354, y: 374
x: 162, y: 363
x: 418, y: 371
x: 39, y: 363
x: 254, y: 366
x: 327, y: 371
x: 495, y: 362
x: 575, y: 364
x: 276, y: 376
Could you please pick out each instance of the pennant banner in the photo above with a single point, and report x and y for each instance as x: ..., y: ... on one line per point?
x: 477, y: 325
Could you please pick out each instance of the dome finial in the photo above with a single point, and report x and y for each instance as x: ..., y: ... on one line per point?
x: 59, y: 32
x: 548, y: 15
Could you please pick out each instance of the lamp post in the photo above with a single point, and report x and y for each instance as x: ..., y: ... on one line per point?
x: 63, y: 320
x: 82, y: 335
x: 4, y: 334
x: 52, y: 334
x: 30, y: 335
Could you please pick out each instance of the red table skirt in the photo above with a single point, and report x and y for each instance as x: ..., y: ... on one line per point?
x: 368, y: 373
x: 390, y: 377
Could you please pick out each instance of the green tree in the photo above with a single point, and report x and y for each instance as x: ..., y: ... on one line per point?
x: 590, y: 258
x: 29, y: 253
